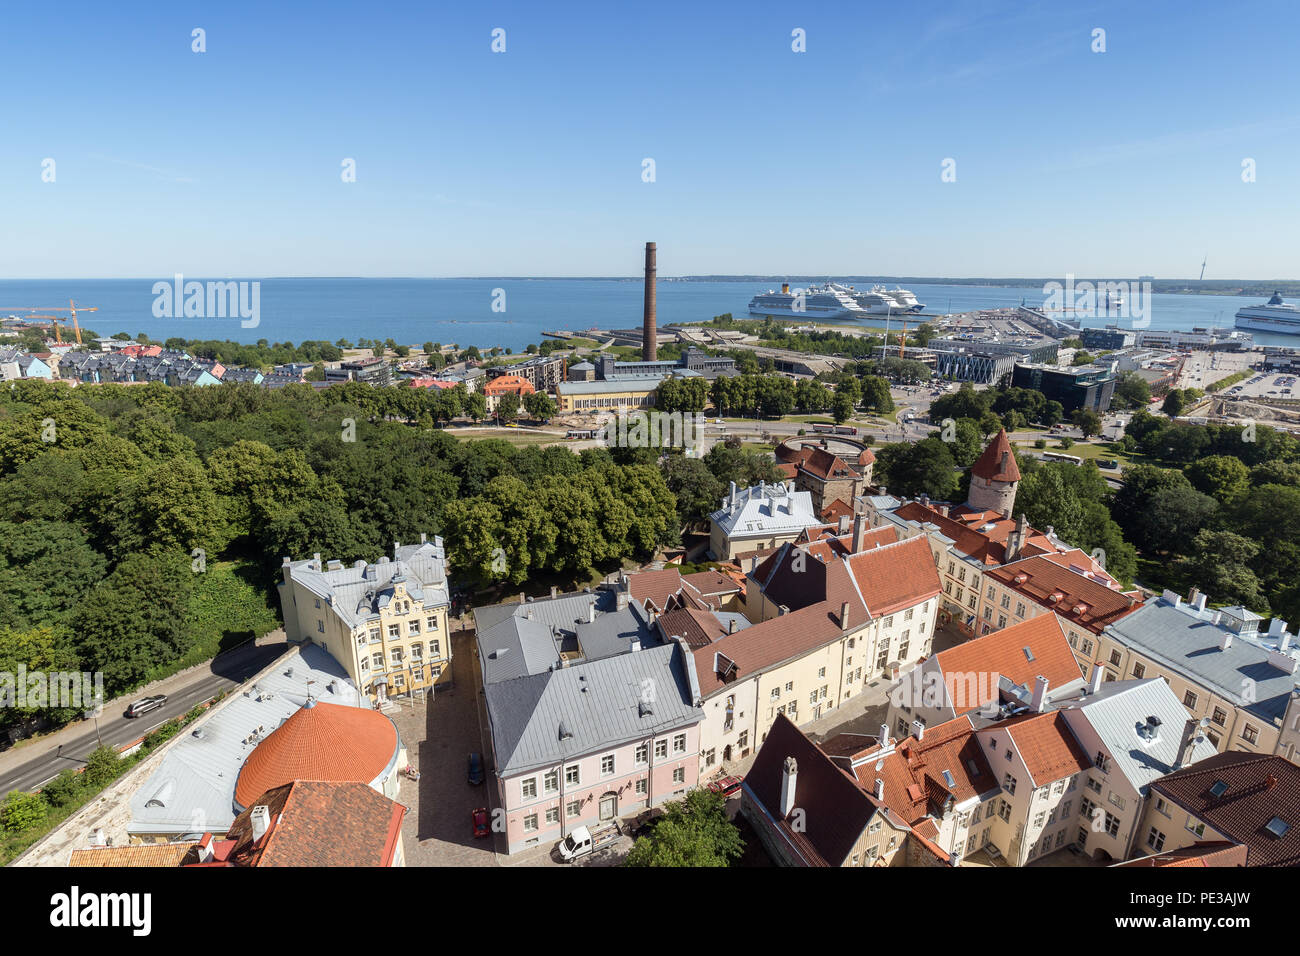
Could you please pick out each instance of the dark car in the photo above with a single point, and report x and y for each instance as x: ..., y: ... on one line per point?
x: 475, y: 769
x: 146, y: 704
x: 480, y: 818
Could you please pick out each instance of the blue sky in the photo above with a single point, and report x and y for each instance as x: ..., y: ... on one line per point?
x: 227, y: 163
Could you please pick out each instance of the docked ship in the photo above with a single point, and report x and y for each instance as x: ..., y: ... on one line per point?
x: 828, y: 301
x: 1273, y: 316
x: 905, y: 300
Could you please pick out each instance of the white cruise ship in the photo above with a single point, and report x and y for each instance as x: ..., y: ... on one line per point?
x: 828, y: 301
x: 1273, y: 316
x: 905, y: 299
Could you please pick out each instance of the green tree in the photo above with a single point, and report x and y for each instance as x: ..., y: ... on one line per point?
x: 693, y: 832
x: 1220, y: 476
x: 841, y: 408
x: 1087, y: 421
x: 540, y: 406
x: 926, y: 467
x: 22, y: 811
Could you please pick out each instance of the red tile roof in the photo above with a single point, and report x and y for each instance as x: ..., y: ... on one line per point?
x: 1047, y: 746
x: 1259, y: 788
x: 1216, y: 853
x: 319, y: 823
x: 998, y: 463
x: 698, y: 628
x: 837, y: 508
x: 508, y: 383
x: 1075, y: 597
x: 319, y: 742
x: 654, y: 588
x: 1002, y: 653
x: 761, y: 646
x: 913, y: 772
x: 895, y: 576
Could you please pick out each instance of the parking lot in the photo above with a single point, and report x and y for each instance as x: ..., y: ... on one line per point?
x: 1266, y: 385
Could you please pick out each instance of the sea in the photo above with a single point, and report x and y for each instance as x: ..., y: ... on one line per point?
x: 507, y: 312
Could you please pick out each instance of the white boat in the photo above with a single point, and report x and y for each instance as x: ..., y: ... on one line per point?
x: 1273, y: 316
x: 827, y: 301
x: 905, y: 299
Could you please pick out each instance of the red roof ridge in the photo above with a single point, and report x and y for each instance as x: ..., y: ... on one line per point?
x: 998, y: 462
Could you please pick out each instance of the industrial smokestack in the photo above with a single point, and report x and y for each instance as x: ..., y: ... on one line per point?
x: 649, y: 334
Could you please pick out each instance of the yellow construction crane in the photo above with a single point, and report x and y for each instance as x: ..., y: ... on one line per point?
x: 72, y: 308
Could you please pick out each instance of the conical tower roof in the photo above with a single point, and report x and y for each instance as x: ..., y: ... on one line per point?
x: 998, y: 463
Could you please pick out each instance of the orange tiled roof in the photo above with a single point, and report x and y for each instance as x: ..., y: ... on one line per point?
x: 508, y: 383
x: 1002, y: 652
x: 698, y: 628
x: 1207, y: 854
x: 895, y: 576
x: 319, y: 742
x: 138, y: 854
x: 1047, y: 746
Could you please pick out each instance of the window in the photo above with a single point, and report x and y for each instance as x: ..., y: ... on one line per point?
x: 743, y: 740
x: 572, y: 776
x: 1161, y: 807
x: 1115, y: 658
x: 378, y: 661
x: 553, y: 815
x: 529, y: 788
x: 530, y: 823
x: 1139, y: 670
x: 1112, y: 825
x: 606, y: 765
x: 789, y: 687
x: 551, y: 781
x: 320, y: 626
x: 1020, y: 609
x: 1250, y: 734
x: 971, y: 603
x: 1004, y: 810
x: 1009, y: 784
x: 1058, y: 788
x: 394, y: 631
x: 435, y: 649
x: 1219, y: 716
x: 365, y: 665
x: 1040, y: 818
x: 642, y: 754
x: 414, y: 627
x: 710, y: 757
x: 679, y: 775
x: 1002, y: 621
x: 889, y: 621
x: 661, y: 749
x: 417, y: 651
x: 1156, y: 840
x: 1006, y: 601
x: 1087, y: 808
x: 907, y: 615
x: 573, y: 808
x: 1189, y: 700
x: 990, y: 592
x: 775, y: 695
x: 642, y: 787
x: 432, y: 622
x: 1085, y: 646
x: 679, y: 744
x: 821, y: 672
x: 396, y: 655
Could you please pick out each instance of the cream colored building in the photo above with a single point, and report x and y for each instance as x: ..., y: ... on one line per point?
x: 386, y: 622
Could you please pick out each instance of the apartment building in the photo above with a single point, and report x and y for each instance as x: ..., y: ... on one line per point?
x: 1244, y: 689
x: 825, y: 626
x: 385, y: 622
x: 1234, y: 799
x: 759, y: 518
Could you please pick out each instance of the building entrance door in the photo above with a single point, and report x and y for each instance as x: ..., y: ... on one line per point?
x: 608, y: 806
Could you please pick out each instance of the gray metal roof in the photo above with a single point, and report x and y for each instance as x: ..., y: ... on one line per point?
x: 1117, y: 710
x: 357, y: 593
x: 193, y: 788
x: 599, y: 704
x: 1187, y: 641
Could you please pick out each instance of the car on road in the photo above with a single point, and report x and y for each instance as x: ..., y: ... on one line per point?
x: 146, y: 704
x: 480, y: 820
x: 726, y: 785
x: 475, y: 769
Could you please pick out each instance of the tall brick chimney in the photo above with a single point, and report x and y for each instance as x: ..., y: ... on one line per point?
x: 649, y: 333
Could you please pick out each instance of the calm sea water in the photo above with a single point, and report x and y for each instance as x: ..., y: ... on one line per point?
x: 413, y: 311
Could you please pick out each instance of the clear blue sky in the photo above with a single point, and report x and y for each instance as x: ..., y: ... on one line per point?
x: 227, y: 163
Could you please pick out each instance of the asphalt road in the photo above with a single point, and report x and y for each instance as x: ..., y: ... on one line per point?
x: 75, y: 743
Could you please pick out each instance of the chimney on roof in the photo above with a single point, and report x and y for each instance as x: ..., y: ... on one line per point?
x: 789, y: 778
x: 844, y: 616
x: 315, y: 560
x: 884, y: 735
x: 733, y: 494
x: 554, y: 591
x: 731, y: 626
x: 1098, y: 672
x: 396, y: 547
x: 880, y: 789
x: 1225, y: 641
x: 1191, y: 736
x: 843, y: 528
x: 1039, y: 700
x: 925, y: 499
x: 591, y: 613
x: 523, y: 598
x: 859, y: 532
x: 918, y: 730
x: 261, y: 819
x: 206, y: 848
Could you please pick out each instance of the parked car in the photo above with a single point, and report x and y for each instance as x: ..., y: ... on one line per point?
x: 726, y: 785
x: 480, y: 820
x: 146, y: 704
x: 475, y: 769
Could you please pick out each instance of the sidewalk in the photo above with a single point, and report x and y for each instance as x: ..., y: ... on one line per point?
x: 36, y: 748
